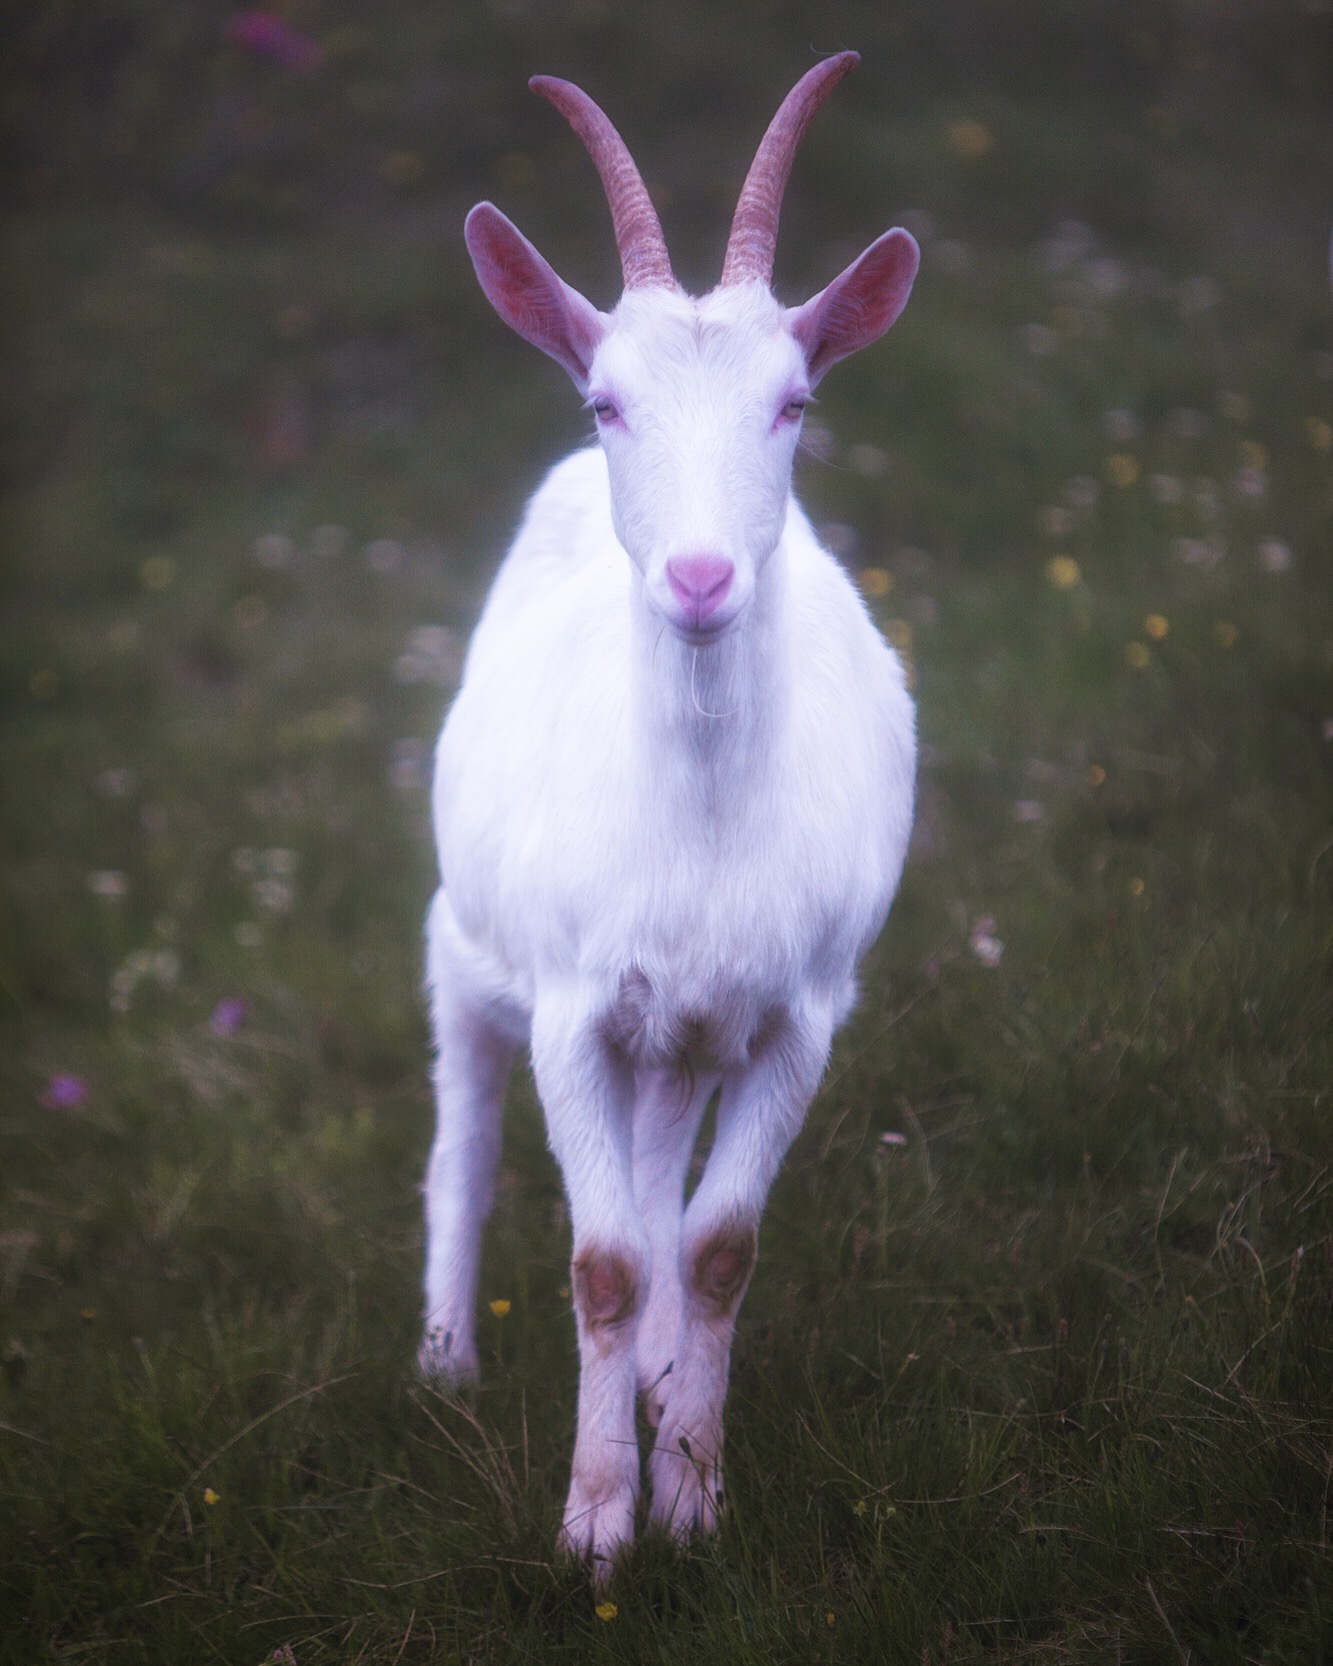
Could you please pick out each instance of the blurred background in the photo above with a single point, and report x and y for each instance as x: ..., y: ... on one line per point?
x: 264, y: 445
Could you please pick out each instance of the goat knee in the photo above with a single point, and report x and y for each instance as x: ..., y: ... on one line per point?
x: 721, y: 1266
x: 607, y: 1288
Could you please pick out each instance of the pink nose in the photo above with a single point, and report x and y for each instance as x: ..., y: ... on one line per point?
x: 699, y: 583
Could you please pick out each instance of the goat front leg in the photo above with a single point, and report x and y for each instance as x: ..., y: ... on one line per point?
x: 587, y: 1092
x: 759, y: 1114
x: 472, y: 1059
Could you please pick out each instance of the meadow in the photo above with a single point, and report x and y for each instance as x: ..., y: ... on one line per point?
x: 1037, y: 1364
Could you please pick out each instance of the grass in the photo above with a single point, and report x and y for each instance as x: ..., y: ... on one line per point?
x: 1049, y: 1376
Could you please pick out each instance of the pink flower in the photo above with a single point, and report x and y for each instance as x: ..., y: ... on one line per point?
x: 228, y: 1016
x: 268, y: 36
x: 63, y: 1092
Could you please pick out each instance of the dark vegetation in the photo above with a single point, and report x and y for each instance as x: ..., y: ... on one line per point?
x: 1047, y: 1375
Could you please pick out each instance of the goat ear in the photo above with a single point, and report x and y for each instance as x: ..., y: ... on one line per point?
x: 529, y: 295
x: 859, y: 305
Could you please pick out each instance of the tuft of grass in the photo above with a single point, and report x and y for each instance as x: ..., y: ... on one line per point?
x: 1045, y: 1375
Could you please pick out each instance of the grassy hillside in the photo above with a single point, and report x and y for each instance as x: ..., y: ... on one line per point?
x: 1047, y: 1374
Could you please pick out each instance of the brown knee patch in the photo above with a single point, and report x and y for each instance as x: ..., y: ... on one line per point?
x: 722, y: 1264
x: 605, y: 1288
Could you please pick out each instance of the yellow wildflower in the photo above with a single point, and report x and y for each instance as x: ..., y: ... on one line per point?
x: 1062, y: 570
x: 402, y: 168
x: 874, y: 581
x: 1253, y: 455
x: 500, y: 1308
x: 211, y: 1497
x: 1155, y: 626
x: 517, y: 171
x: 158, y: 573
x: 606, y: 1611
x: 970, y: 139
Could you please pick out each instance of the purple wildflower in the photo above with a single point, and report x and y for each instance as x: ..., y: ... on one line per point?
x: 228, y: 1016
x: 63, y: 1092
x: 268, y: 36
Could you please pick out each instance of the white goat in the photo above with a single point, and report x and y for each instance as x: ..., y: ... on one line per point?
x: 672, y: 801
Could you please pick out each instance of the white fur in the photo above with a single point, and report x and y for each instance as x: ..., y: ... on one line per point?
x: 660, y: 864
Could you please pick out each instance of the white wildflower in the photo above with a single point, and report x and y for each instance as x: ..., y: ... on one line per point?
x: 983, y: 942
x: 1274, y: 556
x: 273, y: 550
x: 433, y: 654
x: 1166, y: 488
x: 384, y: 555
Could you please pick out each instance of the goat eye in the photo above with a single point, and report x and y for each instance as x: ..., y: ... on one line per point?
x: 604, y: 410
x: 793, y: 408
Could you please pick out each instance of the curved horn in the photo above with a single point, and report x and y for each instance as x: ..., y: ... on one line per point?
x: 754, y: 229
x: 643, y: 251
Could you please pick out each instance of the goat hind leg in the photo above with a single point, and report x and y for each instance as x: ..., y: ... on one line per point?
x: 472, y: 1058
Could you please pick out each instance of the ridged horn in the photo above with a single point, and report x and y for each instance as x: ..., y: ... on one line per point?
x: 754, y: 228
x: 643, y: 251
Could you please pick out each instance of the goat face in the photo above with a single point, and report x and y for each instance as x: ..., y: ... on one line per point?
x: 698, y: 402
x: 698, y: 407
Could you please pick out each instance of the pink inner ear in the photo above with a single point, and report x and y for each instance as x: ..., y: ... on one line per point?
x: 859, y: 305
x: 529, y: 295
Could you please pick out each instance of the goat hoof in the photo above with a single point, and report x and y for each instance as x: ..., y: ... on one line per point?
x: 687, y: 1487
x: 598, y: 1531
x: 443, y: 1362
